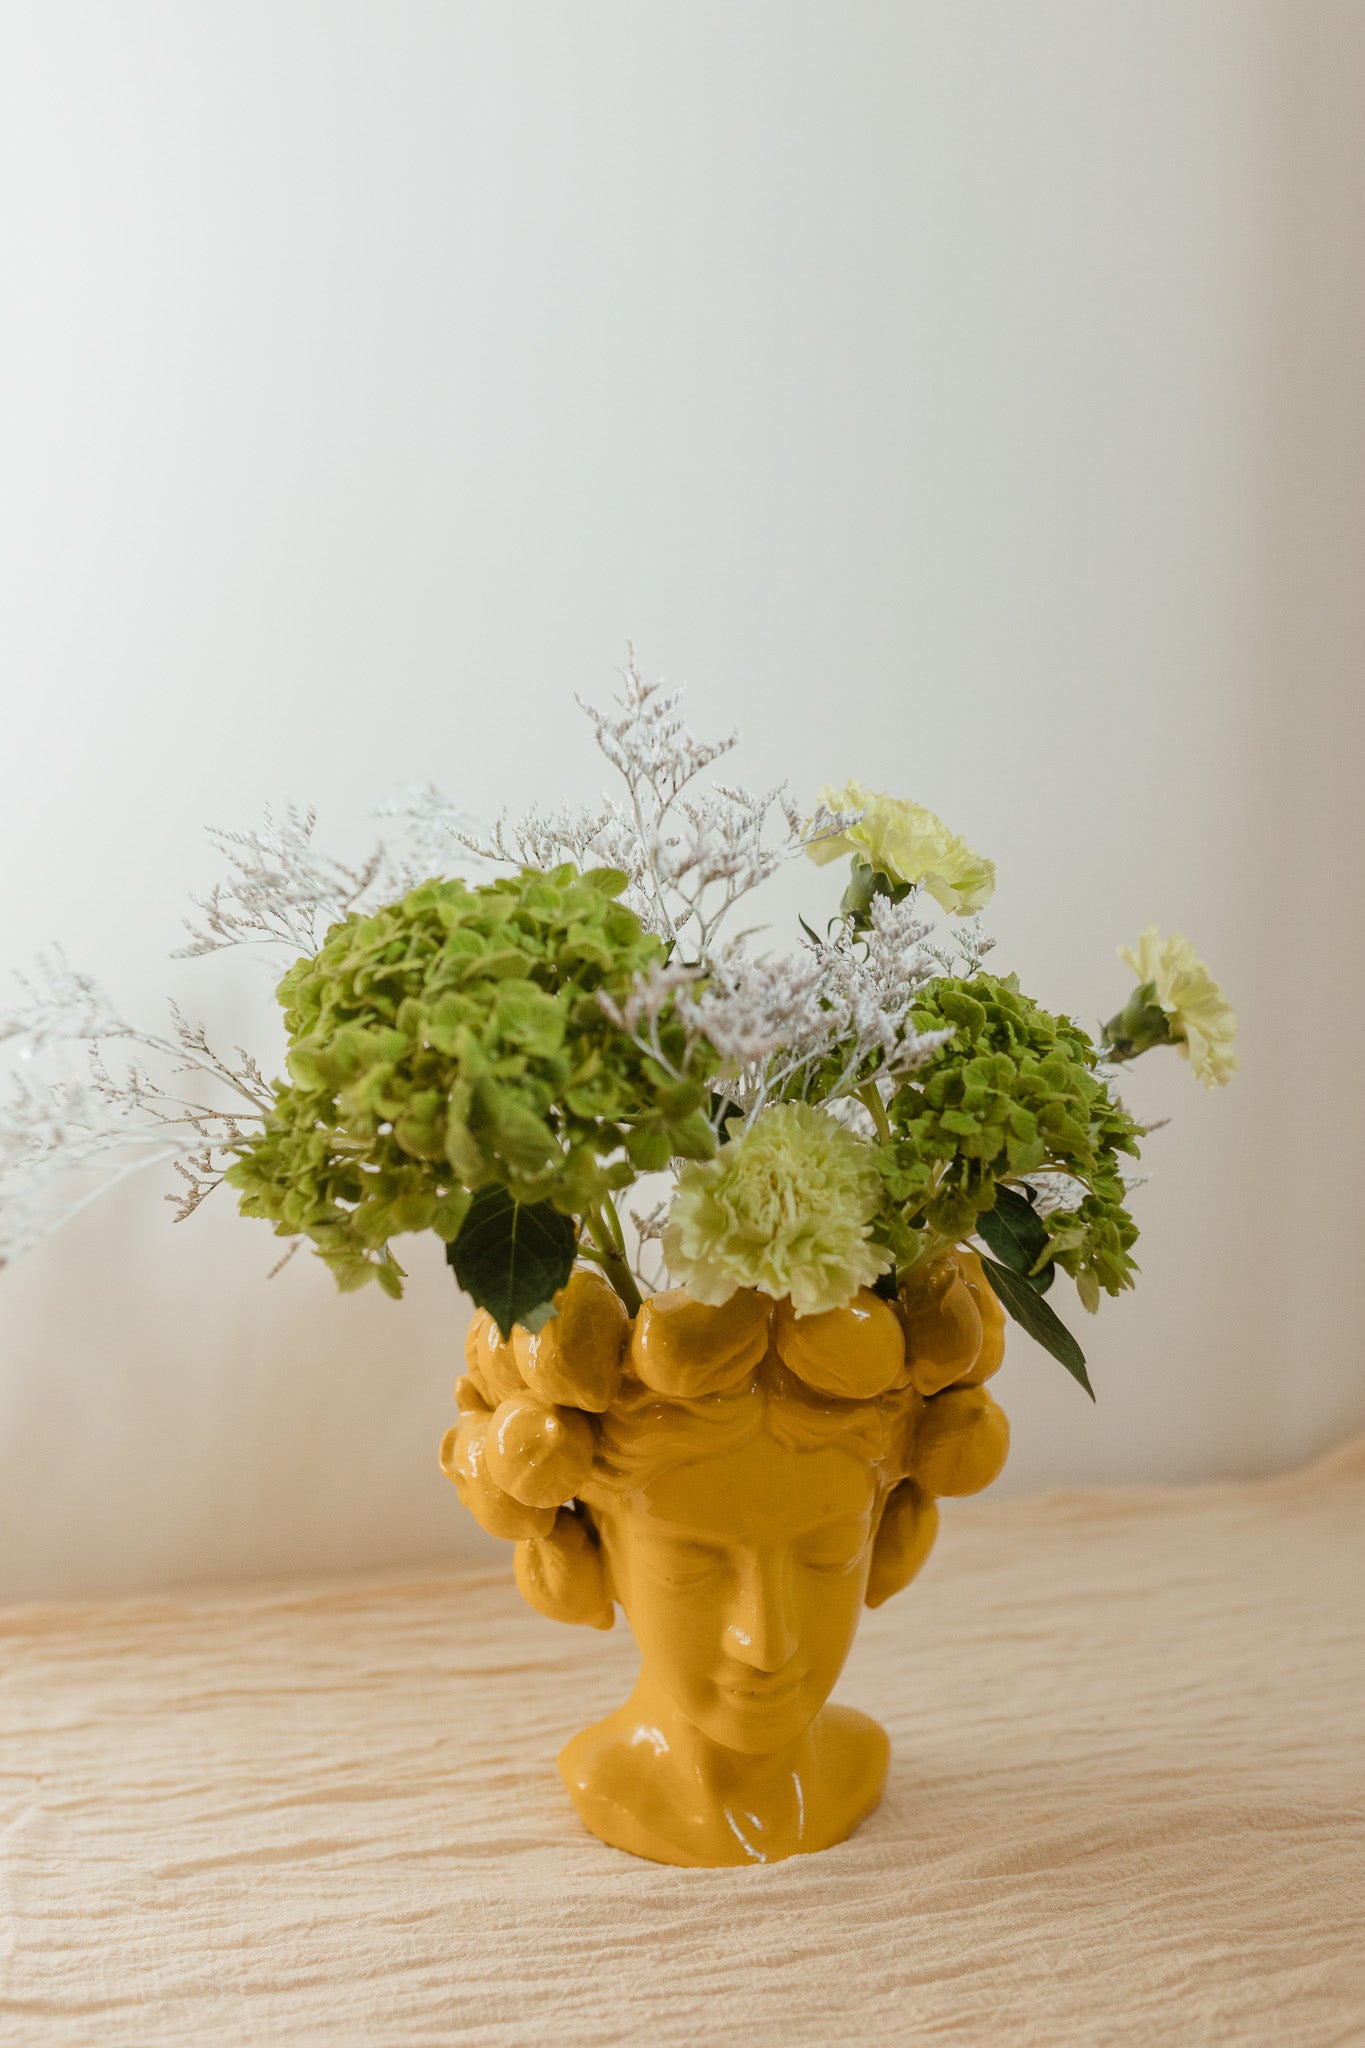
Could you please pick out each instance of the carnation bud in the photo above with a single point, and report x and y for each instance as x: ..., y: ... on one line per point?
x: 1138, y: 1026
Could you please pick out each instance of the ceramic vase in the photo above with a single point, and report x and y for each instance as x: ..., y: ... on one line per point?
x: 741, y: 1481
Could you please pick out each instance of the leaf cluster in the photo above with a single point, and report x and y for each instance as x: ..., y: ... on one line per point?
x: 1013, y: 1093
x: 455, y: 1041
x: 1023, y: 1270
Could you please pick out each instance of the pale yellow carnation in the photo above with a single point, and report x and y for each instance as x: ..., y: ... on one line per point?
x: 908, y: 844
x: 786, y: 1209
x: 1201, y: 1019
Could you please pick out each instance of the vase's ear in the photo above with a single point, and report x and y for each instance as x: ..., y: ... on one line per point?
x: 904, y: 1538
x: 561, y: 1574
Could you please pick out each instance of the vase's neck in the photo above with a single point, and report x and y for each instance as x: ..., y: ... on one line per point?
x: 650, y: 1780
x: 684, y: 1750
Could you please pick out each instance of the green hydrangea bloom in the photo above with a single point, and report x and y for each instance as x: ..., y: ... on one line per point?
x: 455, y: 1041
x: 1014, y: 1091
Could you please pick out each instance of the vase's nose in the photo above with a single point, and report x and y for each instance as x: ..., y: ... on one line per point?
x: 761, y: 1626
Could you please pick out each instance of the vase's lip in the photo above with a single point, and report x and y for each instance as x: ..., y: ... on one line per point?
x: 766, y: 1688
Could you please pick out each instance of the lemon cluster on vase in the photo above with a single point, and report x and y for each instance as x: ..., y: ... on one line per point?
x: 534, y: 1406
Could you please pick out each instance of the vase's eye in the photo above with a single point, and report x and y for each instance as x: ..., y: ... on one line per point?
x: 681, y: 1563
x: 834, y: 1546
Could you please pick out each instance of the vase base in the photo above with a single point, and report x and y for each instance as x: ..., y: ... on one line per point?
x: 631, y: 1796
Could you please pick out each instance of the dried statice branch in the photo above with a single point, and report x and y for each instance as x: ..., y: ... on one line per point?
x: 281, y: 891
x: 847, y: 1024
x: 641, y: 1015
x: 648, y: 1264
x: 961, y: 948
x: 879, y: 972
x: 59, y: 1006
x: 719, y: 843
x: 64, y: 1137
x: 590, y: 837
x: 751, y: 1008
x: 825, y: 1022
x: 53, y: 1132
x: 1053, y: 1190
x: 648, y: 742
x: 56, y: 1005
x: 64, y: 1141
x: 689, y: 856
x: 436, y: 834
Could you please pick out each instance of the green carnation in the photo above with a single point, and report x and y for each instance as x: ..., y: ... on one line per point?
x: 786, y: 1209
x: 455, y: 1041
x: 907, y: 844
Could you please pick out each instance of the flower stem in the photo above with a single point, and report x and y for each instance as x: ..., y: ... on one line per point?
x: 1139, y: 1025
x: 613, y: 1223
x: 930, y: 1248
x: 610, y: 1255
x: 870, y: 1097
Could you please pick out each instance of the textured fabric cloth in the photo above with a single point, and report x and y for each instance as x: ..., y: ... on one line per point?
x: 1126, y: 1805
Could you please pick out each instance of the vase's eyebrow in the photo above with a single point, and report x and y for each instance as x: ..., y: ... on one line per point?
x: 695, y: 1532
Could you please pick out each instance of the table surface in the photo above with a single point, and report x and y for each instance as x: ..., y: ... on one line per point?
x: 1126, y: 1804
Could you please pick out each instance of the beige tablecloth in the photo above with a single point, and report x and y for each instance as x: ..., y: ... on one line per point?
x: 1127, y: 1804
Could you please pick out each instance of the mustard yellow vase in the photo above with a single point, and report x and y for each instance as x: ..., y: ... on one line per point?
x: 742, y: 1481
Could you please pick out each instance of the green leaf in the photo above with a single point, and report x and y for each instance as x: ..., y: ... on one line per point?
x: 1139, y: 1025
x: 693, y: 1138
x: 1088, y: 1287
x: 648, y: 1149
x: 390, y: 1276
x: 862, y: 887
x: 608, y: 881
x: 865, y: 882
x: 510, y: 1257
x: 728, y: 1113
x: 1018, y: 1236
x: 1032, y: 1313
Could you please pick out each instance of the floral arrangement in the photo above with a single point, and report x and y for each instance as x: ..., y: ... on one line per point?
x: 498, y: 1036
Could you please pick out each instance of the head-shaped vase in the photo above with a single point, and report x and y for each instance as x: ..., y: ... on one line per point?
x: 741, y: 1481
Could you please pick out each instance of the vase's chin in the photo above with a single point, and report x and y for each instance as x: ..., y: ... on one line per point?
x: 745, y: 1807
x: 750, y: 1727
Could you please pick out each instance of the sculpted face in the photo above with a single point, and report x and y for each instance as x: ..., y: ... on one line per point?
x: 743, y: 1576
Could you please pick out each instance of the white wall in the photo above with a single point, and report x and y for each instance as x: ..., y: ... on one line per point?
x: 964, y: 397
